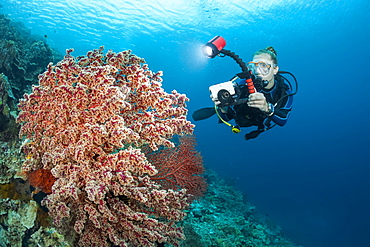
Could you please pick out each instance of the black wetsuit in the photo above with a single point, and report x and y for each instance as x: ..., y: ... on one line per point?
x: 246, y: 116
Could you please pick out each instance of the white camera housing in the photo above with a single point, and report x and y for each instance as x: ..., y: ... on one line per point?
x: 214, y: 89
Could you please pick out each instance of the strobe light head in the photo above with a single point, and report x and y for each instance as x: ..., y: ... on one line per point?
x: 214, y: 46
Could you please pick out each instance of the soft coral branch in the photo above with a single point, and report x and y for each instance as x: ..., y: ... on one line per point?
x: 180, y: 167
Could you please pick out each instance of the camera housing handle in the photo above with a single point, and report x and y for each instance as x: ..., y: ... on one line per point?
x: 248, y: 80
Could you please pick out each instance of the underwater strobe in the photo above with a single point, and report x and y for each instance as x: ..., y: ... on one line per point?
x: 214, y: 47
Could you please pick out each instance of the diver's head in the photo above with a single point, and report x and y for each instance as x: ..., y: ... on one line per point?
x: 265, y: 65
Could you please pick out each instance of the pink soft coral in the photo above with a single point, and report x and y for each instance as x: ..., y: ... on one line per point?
x: 86, y: 122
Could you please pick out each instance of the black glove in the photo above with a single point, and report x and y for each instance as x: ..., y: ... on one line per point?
x: 253, y: 134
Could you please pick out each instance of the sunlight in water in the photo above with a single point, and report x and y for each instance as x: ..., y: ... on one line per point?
x: 121, y: 22
x: 165, y: 14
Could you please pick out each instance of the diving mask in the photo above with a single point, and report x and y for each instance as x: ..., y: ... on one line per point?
x: 259, y: 68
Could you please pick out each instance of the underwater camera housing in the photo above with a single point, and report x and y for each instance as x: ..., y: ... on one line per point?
x: 226, y: 93
x: 232, y: 93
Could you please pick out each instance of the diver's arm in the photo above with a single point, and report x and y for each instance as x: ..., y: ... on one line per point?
x: 224, y: 109
x: 226, y: 112
x: 281, y: 111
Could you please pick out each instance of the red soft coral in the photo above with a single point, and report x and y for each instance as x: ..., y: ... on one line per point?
x: 180, y: 167
x: 41, y: 179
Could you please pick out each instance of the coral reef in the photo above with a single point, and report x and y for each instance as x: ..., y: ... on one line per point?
x: 86, y: 123
x: 19, y: 225
x: 47, y: 237
x: 8, y: 111
x: 6, y: 96
x: 222, y: 218
x: 18, y: 217
x: 10, y: 161
x: 22, y: 56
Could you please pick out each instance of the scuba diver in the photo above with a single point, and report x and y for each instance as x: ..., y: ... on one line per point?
x: 265, y: 103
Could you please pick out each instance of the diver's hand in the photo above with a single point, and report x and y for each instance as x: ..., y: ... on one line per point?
x: 258, y: 100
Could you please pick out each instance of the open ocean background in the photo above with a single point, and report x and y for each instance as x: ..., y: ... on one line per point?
x: 311, y: 176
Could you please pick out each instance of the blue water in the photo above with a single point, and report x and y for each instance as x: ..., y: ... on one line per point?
x: 311, y: 176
